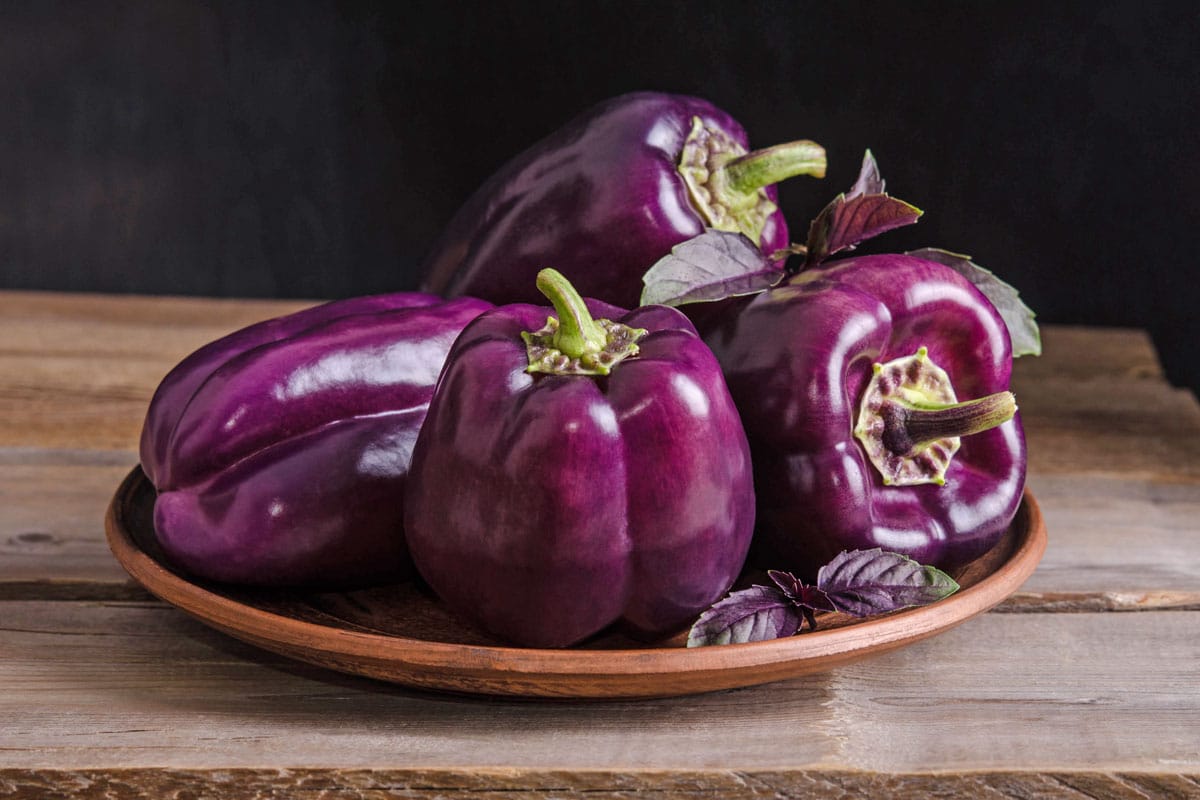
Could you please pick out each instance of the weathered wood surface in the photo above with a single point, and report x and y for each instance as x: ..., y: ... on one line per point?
x: 1132, y: 540
x: 76, y: 371
x: 105, y: 692
x: 113, y: 684
x: 511, y: 784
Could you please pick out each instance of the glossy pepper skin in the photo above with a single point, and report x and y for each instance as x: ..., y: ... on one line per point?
x: 280, y: 451
x: 798, y: 359
x: 603, y: 198
x: 546, y: 507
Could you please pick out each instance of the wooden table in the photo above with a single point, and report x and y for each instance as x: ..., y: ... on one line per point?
x: 1085, y: 684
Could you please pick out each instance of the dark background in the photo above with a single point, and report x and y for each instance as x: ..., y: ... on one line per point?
x: 314, y: 149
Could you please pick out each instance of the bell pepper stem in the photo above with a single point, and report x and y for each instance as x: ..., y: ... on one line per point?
x: 910, y: 422
x: 770, y: 165
x: 908, y: 427
x: 574, y: 343
x: 578, y: 332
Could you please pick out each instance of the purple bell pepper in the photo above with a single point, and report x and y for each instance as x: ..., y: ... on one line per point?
x: 280, y: 451
x: 609, y: 194
x: 874, y: 391
x: 576, y: 472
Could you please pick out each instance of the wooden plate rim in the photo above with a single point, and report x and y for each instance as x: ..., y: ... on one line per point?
x: 437, y: 663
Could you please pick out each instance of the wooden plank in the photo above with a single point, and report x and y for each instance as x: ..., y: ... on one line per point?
x: 1062, y: 690
x: 52, y: 539
x: 101, y: 686
x: 1117, y: 535
x: 1097, y: 402
x: 1007, y: 705
x: 68, y: 322
x: 1092, y: 427
x: 53, y: 309
x: 52, y: 506
x: 1077, y: 352
x: 512, y: 784
x: 77, y: 371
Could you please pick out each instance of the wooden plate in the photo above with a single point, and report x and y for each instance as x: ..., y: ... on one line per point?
x: 402, y: 634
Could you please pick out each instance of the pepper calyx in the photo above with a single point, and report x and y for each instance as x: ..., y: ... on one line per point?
x: 575, y: 343
x: 727, y: 184
x: 910, y: 422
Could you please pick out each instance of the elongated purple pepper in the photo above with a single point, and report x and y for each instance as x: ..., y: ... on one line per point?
x: 579, y: 472
x: 610, y: 193
x: 280, y: 451
x: 874, y: 391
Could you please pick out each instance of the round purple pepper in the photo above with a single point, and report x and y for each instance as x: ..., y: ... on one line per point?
x: 874, y: 391
x: 574, y: 472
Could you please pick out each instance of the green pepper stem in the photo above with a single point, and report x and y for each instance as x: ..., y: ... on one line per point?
x: 753, y: 171
x: 578, y: 332
x: 909, y: 427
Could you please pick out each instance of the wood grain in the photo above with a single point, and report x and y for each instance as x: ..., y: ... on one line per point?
x: 1099, y: 428
x: 51, y: 505
x: 52, y: 539
x: 104, y: 693
x: 103, y: 685
x: 1118, y: 534
x: 77, y: 371
x: 1075, y: 352
x: 509, y: 784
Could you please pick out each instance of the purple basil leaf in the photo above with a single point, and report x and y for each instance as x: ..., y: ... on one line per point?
x: 846, y: 222
x: 751, y: 615
x: 806, y: 599
x: 712, y: 266
x: 1022, y: 330
x: 864, y: 582
x: 860, y: 214
x: 794, y: 589
x: 815, y: 599
x: 869, y: 180
x: 788, y: 583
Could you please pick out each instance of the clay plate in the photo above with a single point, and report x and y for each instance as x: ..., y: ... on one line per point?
x: 403, y: 635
